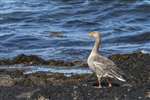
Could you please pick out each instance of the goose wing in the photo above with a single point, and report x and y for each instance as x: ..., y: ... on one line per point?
x: 107, y: 67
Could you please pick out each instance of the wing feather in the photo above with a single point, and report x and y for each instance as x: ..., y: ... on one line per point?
x: 107, y: 67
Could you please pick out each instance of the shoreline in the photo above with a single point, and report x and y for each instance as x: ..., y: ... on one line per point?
x: 14, y: 85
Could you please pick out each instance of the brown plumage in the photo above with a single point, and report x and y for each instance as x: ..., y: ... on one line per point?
x: 102, y: 66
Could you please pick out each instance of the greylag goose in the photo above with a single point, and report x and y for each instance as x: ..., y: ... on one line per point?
x: 102, y: 66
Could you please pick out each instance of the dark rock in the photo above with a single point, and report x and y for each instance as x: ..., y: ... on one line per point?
x: 31, y: 59
x: 136, y: 67
x: 35, y: 60
x: 14, y: 85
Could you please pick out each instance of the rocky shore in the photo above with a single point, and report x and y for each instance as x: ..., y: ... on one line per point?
x: 15, y: 85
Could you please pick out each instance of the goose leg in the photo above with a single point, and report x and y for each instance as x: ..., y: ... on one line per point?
x: 109, y: 83
x: 99, y: 81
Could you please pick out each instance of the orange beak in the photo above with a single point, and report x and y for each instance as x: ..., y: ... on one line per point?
x: 90, y: 34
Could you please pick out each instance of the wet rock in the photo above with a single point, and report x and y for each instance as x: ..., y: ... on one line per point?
x: 147, y: 94
x: 35, y: 60
x: 65, y: 63
x: 43, y: 79
x: 48, y: 86
x: 136, y: 67
x: 16, y: 73
x: 42, y: 98
x: 30, y: 59
x: 6, y: 81
x: 6, y: 62
x: 59, y: 63
x: 27, y: 95
x: 23, y: 59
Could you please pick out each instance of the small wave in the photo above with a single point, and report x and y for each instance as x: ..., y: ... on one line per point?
x: 121, y: 23
x: 61, y: 70
x: 138, y: 38
x: 145, y: 52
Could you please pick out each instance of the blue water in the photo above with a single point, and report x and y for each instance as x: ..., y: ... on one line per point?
x: 28, y: 26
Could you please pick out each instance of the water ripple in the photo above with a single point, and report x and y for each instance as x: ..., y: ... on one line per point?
x: 25, y: 27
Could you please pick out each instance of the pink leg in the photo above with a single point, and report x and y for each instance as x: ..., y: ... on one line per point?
x: 109, y: 83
